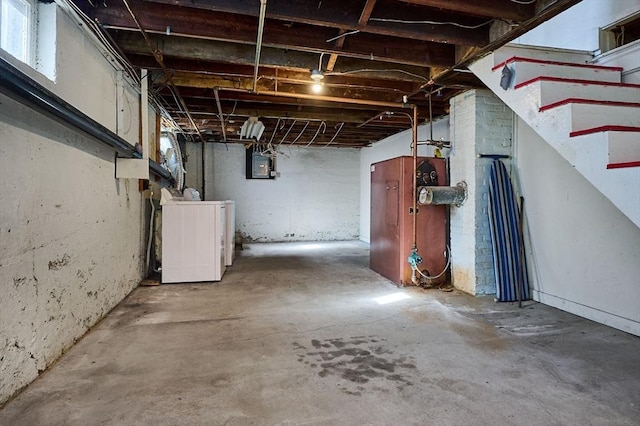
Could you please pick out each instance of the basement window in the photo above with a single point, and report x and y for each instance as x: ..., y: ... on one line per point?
x: 17, y: 28
x: 620, y: 33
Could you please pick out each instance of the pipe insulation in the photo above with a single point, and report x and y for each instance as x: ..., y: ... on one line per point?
x: 436, y: 195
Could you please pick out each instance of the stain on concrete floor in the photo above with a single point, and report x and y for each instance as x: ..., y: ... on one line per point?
x: 357, y: 359
x: 295, y: 336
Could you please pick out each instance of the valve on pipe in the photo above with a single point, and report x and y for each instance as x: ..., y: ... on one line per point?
x: 432, y: 195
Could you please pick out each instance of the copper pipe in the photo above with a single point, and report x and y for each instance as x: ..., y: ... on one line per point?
x: 322, y: 98
x: 332, y: 99
x: 414, y: 182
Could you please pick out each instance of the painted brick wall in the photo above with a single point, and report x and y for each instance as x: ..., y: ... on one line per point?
x: 480, y: 124
x: 315, y: 198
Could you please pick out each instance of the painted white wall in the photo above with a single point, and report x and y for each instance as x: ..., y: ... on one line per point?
x: 577, y: 27
x: 392, y: 147
x: 83, y: 77
x: 72, y: 235
x: 315, y: 198
x: 193, y: 167
x: 583, y: 253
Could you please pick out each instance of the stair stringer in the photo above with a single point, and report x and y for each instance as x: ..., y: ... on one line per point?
x: 588, y: 154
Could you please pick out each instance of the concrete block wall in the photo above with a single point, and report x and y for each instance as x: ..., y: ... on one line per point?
x: 72, y: 241
x: 480, y: 124
x: 72, y: 236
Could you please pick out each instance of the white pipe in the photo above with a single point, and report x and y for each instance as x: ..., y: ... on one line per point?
x: 263, y: 10
x: 144, y: 113
x: 224, y: 132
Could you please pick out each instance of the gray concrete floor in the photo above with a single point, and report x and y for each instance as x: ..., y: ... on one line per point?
x: 295, y: 334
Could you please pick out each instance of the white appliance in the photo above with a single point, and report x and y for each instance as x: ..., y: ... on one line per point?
x: 193, y: 241
x: 230, y: 234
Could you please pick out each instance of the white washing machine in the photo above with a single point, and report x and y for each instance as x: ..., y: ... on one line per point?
x: 193, y: 241
x: 230, y: 234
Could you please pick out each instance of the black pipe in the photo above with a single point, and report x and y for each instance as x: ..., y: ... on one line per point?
x: 27, y: 91
x: 494, y: 156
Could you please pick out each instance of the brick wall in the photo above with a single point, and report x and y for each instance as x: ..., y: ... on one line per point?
x: 480, y: 124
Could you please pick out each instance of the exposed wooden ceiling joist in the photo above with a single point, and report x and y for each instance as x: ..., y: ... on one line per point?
x: 371, y: 53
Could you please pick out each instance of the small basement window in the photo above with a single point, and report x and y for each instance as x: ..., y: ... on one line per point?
x: 17, y: 28
x: 620, y: 33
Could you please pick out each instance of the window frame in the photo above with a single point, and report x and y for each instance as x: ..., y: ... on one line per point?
x: 31, y: 31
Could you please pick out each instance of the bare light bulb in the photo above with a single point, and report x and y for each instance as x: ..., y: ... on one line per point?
x: 316, y: 76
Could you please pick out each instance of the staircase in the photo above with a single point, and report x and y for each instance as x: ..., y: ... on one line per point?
x: 582, y: 110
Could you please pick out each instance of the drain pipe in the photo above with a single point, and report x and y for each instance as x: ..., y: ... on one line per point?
x: 263, y: 10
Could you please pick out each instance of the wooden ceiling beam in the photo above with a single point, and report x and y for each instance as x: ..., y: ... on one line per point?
x: 251, y: 98
x: 238, y: 29
x: 339, y: 14
x: 277, y: 111
x: 502, y: 9
x: 285, y: 89
x: 228, y: 71
x: 210, y: 56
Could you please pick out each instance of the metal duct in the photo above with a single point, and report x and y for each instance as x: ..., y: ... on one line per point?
x: 434, y: 195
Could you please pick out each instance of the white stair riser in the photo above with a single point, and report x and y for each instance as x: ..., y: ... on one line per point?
x: 555, y: 91
x: 526, y: 71
x: 619, y: 185
x: 624, y: 147
x: 543, y: 93
x: 543, y: 54
x: 587, y: 116
x: 589, y: 154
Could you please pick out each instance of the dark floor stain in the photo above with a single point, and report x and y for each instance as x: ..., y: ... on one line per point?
x: 317, y: 344
x: 57, y: 264
x: 358, y: 360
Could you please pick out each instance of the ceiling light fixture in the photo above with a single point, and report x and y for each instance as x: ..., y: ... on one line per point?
x: 252, y: 129
x: 317, y: 76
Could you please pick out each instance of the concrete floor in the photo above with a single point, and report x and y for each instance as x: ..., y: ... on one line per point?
x: 296, y: 334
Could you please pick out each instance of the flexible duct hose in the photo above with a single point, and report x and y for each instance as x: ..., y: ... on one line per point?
x: 422, y: 274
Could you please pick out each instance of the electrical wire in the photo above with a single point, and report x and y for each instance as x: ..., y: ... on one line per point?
x: 287, y: 134
x: 300, y: 134
x: 320, y: 62
x: 76, y: 13
x: 402, y: 21
x: 104, y: 44
x: 382, y: 70
x: 524, y: 1
x: 317, y: 132
x: 339, y: 127
x: 342, y: 35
